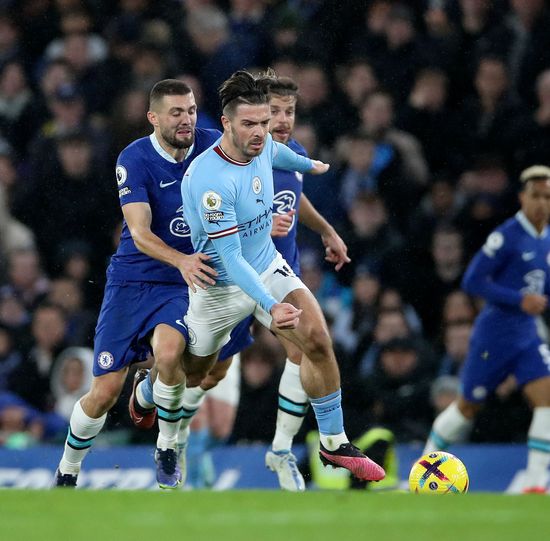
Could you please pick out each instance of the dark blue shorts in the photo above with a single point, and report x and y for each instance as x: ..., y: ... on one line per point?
x: 130, y: 312
x: 488, y: 364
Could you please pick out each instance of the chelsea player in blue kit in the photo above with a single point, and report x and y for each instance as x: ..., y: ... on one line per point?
x: 228, y: 197
x: 146, y: 295
x: 512, y: 273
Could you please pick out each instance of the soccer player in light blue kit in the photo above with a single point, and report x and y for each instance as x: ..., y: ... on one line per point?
x: 228, y: 198
x: 512, y: 273
x: 289, y: 203
x: 146, y: 294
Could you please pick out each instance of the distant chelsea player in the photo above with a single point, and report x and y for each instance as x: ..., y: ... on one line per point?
x: 511, y: 272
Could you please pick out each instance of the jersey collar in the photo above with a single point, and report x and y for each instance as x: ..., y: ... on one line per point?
x: 163, y: 153
x: 219, y: 151
x: 528, y: 226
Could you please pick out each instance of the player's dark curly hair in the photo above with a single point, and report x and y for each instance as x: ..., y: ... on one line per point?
x: 243, y: 87
x: 167, y: 87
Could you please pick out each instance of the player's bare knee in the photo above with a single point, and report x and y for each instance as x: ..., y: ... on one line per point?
x: 168, y: 357
x: 318, y: 343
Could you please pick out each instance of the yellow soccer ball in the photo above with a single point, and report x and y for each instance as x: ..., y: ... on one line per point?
x: 438, y: 473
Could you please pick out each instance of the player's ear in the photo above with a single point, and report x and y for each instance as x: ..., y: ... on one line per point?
x: 152, y: 118
x: 226, y: 123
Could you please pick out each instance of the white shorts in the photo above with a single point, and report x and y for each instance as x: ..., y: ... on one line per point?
x: 214, y: 312
x: 228, y: 390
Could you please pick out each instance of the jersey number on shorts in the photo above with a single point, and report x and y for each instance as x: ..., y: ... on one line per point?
x: 285, y: 270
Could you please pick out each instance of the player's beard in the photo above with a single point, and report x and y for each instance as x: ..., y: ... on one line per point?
x: 243, y: 147
x: 171, y: 139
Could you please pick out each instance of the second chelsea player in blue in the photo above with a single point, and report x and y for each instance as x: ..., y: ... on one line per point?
x: 146, y: 293
x: 512, y: 273
x: 228, y: 198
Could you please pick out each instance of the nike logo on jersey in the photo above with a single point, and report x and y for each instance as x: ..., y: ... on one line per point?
x: 169, y: 183
x: 528, y: 256
x: 180, y: 322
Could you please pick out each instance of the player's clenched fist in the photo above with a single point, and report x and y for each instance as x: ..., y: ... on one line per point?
x: 282, y: 223
x: 285, y: 316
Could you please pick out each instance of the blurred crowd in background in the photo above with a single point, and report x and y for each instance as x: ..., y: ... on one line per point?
x: 426, y: 110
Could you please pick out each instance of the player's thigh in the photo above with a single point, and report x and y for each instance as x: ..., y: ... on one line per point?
x: 213, y: 313
x: 485, y: 368
x: 128, y: 316
x: 312, y: 330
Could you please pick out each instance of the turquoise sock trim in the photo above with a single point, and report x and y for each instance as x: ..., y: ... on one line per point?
x: 170, y: 416
x: 293, y: 408
x: 78, y: 443
x: 539, y: 445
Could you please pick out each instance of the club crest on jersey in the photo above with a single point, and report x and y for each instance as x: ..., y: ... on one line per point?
x: 105, y: 359
x: 211, y: 200
x: 256, y: 185
x: 121, y: 175
x: 284, y: 201
x: 178, y: 226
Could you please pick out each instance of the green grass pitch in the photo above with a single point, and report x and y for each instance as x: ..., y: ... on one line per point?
x: 26, y: 515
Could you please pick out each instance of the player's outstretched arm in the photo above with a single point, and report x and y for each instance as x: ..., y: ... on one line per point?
x: 319, y: 167
x: 336, y: 250
x: 192, y: 267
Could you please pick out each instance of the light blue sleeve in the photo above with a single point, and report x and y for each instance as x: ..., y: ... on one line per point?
x: 240, y: 272
x: 286, y: 159
x: 216, y: 209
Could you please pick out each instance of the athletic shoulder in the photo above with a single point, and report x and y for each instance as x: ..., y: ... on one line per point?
x: 136, y: 150
x: 297, y: 147
x: 502, y: 237
x: 206, y: 137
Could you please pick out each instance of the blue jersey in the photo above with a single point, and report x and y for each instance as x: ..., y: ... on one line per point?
x: 514, y: 261
x: 146, y: 173
x: 288, y: 190
x: 228, y: 206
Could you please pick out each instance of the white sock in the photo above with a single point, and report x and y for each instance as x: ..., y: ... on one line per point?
x: 193, y: 397
x: 450, y: 426
x: 331, y: 442
x: 168, y: 400
x: 538, y: 457
x: 292, y: 398
x: 82, y: 431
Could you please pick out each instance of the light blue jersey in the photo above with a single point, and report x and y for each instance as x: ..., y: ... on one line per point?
x: 228, y: 207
